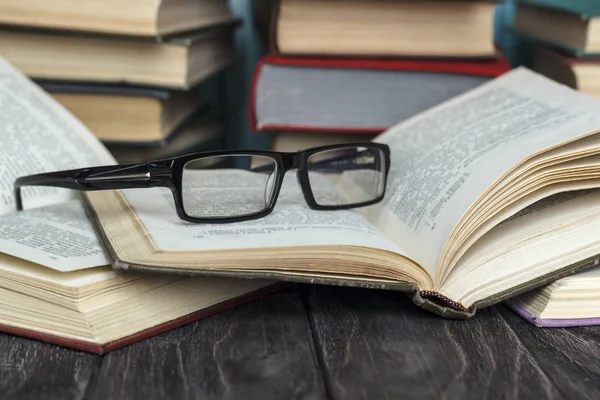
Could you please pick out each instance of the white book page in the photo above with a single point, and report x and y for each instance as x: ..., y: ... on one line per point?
x: 551, y: 216
x: 37, y: 135
x: 291, y: 223
x: 59, y: 236
x: 444, y: 159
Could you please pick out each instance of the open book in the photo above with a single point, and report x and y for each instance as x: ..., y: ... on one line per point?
x: 460, y: 227
x: 56, y: 284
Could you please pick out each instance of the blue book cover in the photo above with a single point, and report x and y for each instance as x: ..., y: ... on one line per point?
x: 583, y: 8
x: 514, y: 46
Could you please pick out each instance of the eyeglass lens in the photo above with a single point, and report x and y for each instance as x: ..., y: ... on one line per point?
x: 228, y: 186
x: 357, y: 173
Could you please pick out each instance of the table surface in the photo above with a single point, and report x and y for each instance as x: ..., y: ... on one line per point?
x: 317, y: 342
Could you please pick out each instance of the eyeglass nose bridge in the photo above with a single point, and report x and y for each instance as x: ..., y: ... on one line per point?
x: 293, y: 161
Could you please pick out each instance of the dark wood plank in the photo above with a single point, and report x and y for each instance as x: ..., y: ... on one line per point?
x: 34, y: 370
x: 259, y: 350
x: 379, y: 345
x: 569, y: 356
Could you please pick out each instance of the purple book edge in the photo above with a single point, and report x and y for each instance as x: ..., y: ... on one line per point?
x: 550, y: 322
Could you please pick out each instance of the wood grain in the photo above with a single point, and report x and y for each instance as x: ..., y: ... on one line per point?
x: 364, y: 344
x: 376, y: 344
x: 259, y: 350
x: 569, y: 356
x: 34, y: 370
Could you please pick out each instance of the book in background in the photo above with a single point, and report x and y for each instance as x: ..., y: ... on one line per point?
x: 355, y: 68
x: 564, y: 40
x: 144, y: 87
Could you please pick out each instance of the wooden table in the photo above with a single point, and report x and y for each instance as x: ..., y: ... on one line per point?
x: 317, y: 343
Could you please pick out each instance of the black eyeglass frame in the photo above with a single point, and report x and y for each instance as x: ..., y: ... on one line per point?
x: 168, y: 173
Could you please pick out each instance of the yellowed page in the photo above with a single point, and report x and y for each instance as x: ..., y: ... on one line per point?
x: 545, y: 216
x: 583, y: 173
x: 547, y: 237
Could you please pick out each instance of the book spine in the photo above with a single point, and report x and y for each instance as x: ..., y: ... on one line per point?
x: 428, y: 294
x: 273, y: 40
x: 252, y: 101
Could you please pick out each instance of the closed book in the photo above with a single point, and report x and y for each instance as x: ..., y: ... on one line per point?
x: 201, y: 133
x: 580, y: 73
x: 573, y: 27
x: 135, y: 18
x: 570, y: 301
x: 178, y: 62
x: 382, y: 28
x: 357, y: 95
x: 124, y: 114
x: 583, y: 8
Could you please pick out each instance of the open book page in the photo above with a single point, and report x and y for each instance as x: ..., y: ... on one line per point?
x: 38, y: 135
x: 548, y: 235
x: 570, y: 175
x: 444, y: 159
x: 292, y: 223
x: 59, y: 236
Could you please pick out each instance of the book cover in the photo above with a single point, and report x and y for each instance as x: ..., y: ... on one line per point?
x: 298, y: 88
x: 583, y: 8
x: 192, y: 103
x: 361, y: 28
x: 552, y: 322
x: 97, y: 348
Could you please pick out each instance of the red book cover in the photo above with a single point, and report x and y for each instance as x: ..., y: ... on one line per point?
x: 491, y: 67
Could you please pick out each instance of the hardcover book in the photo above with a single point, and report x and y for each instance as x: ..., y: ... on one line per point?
x: 139, y: 18
x: 570, y: 301
x: 203, y: 133
x: 572, y: 26
x: 580, y: 73
x: 178, y: 62
x: 359, y: 95
x: 128, y: 115
x: 584, y: 8
x: 383, y: 28
x: 461, y: 225
x: 56, y: 284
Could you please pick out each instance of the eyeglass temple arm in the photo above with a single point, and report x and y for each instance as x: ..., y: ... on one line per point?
x: 111, y: 177
x: 345, y: 162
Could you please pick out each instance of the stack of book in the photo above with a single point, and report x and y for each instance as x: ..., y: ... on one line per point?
x: 339, y: 70
x: 138, y: 75
x: 564, y: 37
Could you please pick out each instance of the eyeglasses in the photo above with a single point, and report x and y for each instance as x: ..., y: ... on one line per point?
x: 231, y: 186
